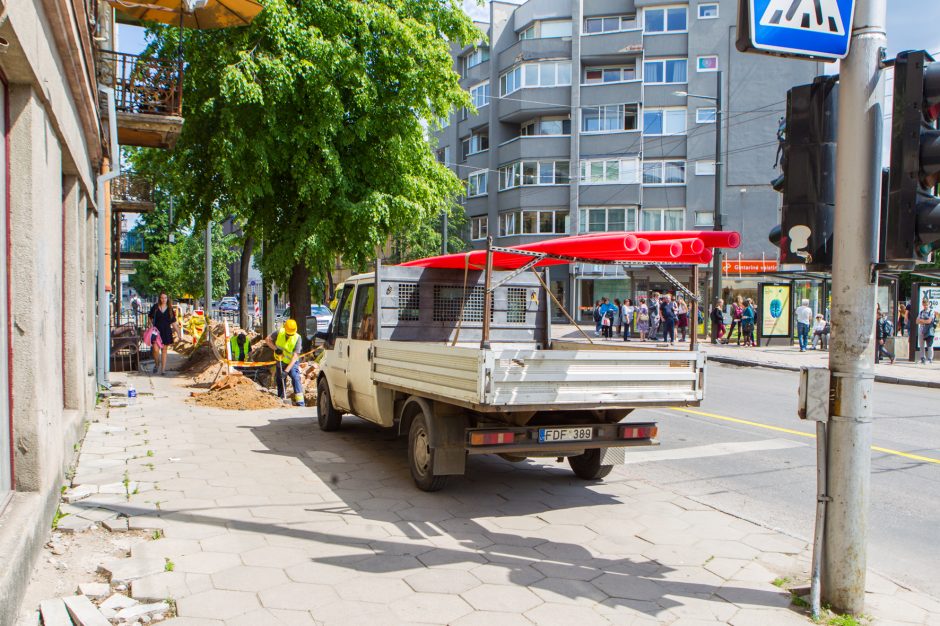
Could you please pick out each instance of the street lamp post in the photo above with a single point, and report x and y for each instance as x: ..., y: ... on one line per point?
x: 716, y: 212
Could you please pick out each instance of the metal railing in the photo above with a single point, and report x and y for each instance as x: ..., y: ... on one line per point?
x: 142, y: 85
x: 132, y: 244
x: 132, y: 189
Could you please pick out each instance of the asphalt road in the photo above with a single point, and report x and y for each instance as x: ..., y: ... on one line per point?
x: 736, y: 453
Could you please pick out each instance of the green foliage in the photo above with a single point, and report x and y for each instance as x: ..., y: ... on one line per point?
x: 310, y: 125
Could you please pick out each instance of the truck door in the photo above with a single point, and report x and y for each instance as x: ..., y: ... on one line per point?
x: 337, y: 360
x: 362, y: 392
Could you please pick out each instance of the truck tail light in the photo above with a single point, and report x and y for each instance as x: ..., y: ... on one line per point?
x: 638, y: 432
x: 491, y: 438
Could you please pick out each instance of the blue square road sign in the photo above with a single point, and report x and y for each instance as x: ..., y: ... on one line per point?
x: 819, y: 29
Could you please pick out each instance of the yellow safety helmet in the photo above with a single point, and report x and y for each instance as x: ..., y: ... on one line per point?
x: 290, y: 327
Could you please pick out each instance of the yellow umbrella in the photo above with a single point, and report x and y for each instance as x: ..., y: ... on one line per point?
x: 198, y: 14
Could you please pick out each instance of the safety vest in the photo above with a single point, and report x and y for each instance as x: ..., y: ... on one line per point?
x: 239, y: 352
x: 287, y: 344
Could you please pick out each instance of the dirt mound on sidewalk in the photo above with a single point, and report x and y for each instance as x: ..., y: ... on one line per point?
x: 236, y: 392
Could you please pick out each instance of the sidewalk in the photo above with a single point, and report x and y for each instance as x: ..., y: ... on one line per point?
x: 902, y: 372
x: 264, y: 519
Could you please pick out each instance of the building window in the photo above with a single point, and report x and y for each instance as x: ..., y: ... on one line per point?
x: 662, y: 173
x: 707, y: 63
x: 476, y: 142
x: 528, y: 33
x: 707, y: 11
x: 478, y: 56
x: 595, y: 75
x: 480, y: 94
x: 665, y: 71
x: 704, y: 168
x: 541, y: 222
x: 555, y: 28
x: 597, y: 25
x: 706, y: 115
x: 607, y: 219
x: 704, y: 219
x: 525, y: 173
x: 443, y: 122
x: 664, y: 121
x: 476, y: 184
x: 624, y: 171
x: 479, y: 228
x: 662, y: 219
x: 464, y: 113
x: 443, y: 155
x: 546, y: 126
x: 609, y: 118
x: 547, y: 74
x: 665, y: 20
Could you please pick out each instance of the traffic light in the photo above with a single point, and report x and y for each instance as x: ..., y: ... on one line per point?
x: 910, y: 224
x: 807, y: 183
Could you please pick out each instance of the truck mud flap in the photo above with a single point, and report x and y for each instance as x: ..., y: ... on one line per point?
x: 613, y: 456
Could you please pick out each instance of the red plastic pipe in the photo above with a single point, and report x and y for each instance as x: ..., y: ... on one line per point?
x: 711, y: 238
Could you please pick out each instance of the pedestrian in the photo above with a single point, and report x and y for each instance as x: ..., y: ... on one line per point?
x: 642, y: 319
x: 667, y: 313
x: 820, y: 332
x: 884, y: 329
x: 902, y: 320
x: 748, y: 316
x: 163, y: 318
x: 607, y: 318
x: 682, y: 313
x: 804, y: 316
x: 135, y: 307
x: 926, y: 327
x: 717, y: 317
x: 286, y: 345
x: 626, y: 314
x: 596, y: 313
x: 655, y: 320
x: 618, y: 317
x: 737, y: 310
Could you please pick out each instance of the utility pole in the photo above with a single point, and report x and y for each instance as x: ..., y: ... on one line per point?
x: 208, y: 303
x: 851, y: 356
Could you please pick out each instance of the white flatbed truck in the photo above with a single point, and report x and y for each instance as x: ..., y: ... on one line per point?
x: 421, y: 350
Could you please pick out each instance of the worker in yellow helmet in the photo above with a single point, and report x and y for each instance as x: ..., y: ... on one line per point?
x: 286, y: 345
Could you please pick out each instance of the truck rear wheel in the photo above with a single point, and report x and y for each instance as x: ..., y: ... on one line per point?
x: 327, y: 416
x: 421, y: 456
x: 588, y: 465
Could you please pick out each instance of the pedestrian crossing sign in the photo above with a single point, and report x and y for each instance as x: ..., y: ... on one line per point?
x: 814, y: 29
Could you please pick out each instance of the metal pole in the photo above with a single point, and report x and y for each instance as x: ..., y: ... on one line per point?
x: 487, y: 281
x: 851, y: 356
x: 208, y: 303
x: 444, y: 233
x: 716, y: 259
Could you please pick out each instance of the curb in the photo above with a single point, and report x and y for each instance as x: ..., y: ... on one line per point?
x: 879, y: 378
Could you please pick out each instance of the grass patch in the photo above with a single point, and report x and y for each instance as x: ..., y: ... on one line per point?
x: 157, y: 534
x: 149, y: 452
x: 796, y: 600
x: 780, y: 582
x: 168, y: 566
x: 58, y: 516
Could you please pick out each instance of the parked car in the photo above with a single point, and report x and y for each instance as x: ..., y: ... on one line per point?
x: 323, y: 314
x: 228, y: 304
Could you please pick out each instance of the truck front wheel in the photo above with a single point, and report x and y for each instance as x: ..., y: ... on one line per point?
x: 588, y: 465
x: 421, y: 456
x: 327, y: 416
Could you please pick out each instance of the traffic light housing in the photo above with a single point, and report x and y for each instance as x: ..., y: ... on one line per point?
x: 911, y: 221
x: 808, y: 181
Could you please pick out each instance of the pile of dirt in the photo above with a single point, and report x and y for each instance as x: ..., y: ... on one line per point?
x: 236, y: 392
x: 308, y: 376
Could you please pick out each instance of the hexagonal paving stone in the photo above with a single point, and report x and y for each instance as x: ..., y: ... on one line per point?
x: 629, y: 587
x: 565, y: 615
x: 758, y: 617
x: 320, y: 573
x: 165, y: 548
x: 235, y: 543
x: 434, y: 608
x: 501, y: 598
x: 501, y: 574
x: 567, y: 591
x: 206, y: 562
x: 248, y: 578
x: 442, y: 581
x: 378, y: 589
x: 271, y: 556
x: 217, y: 604
x: 492, y: 618
x: 297, y: 596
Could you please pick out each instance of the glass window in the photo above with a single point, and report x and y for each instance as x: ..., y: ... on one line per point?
x: 556, y: 28
x: 676, y: 19
x: 479, y: 228
x: 561, y: 222
x: 615, y: 219
x: 612, y: 75
x: 630, y: 171
x: 662, y: 219
x: 674, y: 219
x: 562, y: 176
x: 546, y: 74
x: 598, y: 220
x: 531, y: 75
x: 652, y: 122
x: 480, y: 94
x: 704, y: 218
x: 507, y: 224
x: 546, y: 172
x: 664, y: 122
x: 676, y: 71
x: 510, y: 81
x: 528, y: 33
x: 674, y: 173
x: 654, y: 20
x: 707, y: 64
x: 476, y: 184
x: 564, y: 73
x: 707, y: 11
x: 651, y: 219
x: 653, y: 72
x: 478, y: 56
x: 530, y: 222
x: 341, y: 329
x: 652, y: 173
x: 363, y: 319
x: 704, y: 168
x: 546, y: 222
x: 706, y: 115
x: 593, y: 76
x: 593, y: 25
x: 530, y: 172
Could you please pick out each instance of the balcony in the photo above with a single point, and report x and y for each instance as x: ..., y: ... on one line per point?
x: 148, y: 95
x: 131, y: 194
x: 133, y: 247
x: 611, y: 48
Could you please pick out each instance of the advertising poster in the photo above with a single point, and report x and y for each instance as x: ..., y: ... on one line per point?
x: 932, y: 294
x: 775, y: 310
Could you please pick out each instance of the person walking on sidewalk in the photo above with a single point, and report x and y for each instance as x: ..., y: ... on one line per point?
x: 820, y: 332
x: 655, y: 321
x: 737, y: 310
x: 286, y: 345
x: 885, y: 329
x: 163, y: 318
x: 667, y: 312
x: 926, y: 328
x: 642, y: 319
x: 682, y: 315
x: 804, y: 317
x: 902, y: 320
x: 748, y: 316
x: 606, y: 310
x: 626, y: 314
x: 717, y: 317
x: 596, y: 313
x: 618, y: 317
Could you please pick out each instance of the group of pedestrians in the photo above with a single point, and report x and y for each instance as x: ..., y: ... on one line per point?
x: 743, y: 317
x: 660, y: 317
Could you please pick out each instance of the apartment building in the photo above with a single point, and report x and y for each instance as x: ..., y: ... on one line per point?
x: 597, y: 115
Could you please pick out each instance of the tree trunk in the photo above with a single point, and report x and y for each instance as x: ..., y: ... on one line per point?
x: 298, y: 293
x: 243, y: 281
x: 330, y: 286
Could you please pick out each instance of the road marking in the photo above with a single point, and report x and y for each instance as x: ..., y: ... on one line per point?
x: 708, y: 450
x: 906, y: 455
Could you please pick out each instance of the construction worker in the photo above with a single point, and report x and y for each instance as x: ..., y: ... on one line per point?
x: 286, y: 345
x: 239, y: 345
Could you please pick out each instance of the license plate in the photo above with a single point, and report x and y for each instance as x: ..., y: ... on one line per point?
x: 551, y: 435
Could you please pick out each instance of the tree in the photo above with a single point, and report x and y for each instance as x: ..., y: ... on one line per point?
x: 310, y: 125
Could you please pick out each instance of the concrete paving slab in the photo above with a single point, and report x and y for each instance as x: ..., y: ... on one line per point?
x: 83, y: 612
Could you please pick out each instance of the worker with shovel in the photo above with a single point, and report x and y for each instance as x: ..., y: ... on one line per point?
x: 286, y: 345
